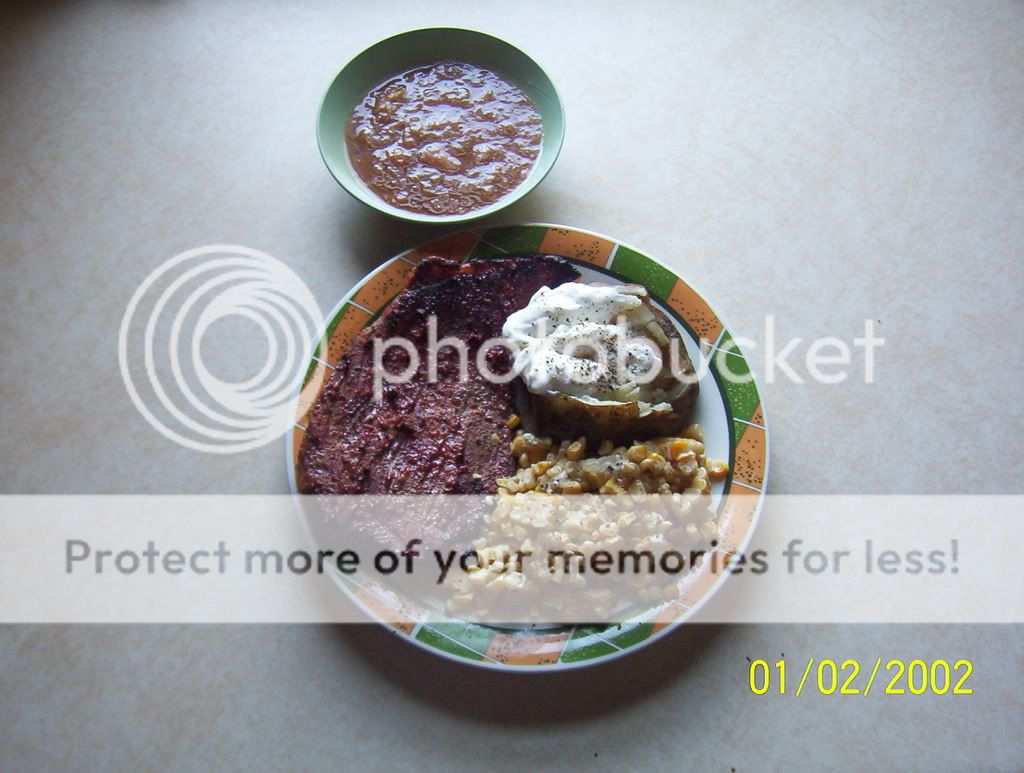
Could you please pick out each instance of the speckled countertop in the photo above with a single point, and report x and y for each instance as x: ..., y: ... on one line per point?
x: 824, y: 163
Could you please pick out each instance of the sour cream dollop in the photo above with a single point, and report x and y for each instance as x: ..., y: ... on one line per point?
x: 594, y: 342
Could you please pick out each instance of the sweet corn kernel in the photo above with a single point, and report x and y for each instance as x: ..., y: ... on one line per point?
x: 570, y: 487
x: 636, y: 453
x: 575, y: 450
x: 694, y: 432
x: 655, y: 466
x: 677, y: 447
x: 536, y: 452
x: 664, y: 466
x: 717, y: 469
x: 539, y: 468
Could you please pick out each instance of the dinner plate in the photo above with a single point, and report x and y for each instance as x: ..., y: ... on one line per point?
x: 729, y: 409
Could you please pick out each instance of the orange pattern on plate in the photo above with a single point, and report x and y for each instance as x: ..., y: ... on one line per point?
x: 665, y: 616
x: 297, y: 436
x: 695, y: 311
x: 381, y: 611
x: 454, y: 246
x: 384, y: 285
x: 758, y: 416
x: 576, y: 245
x: 695, y: 585
x: 736, y: 517
x: 352, y: 321
x: 311, y: 391
x: 750, y: 457
x: 527, y: 649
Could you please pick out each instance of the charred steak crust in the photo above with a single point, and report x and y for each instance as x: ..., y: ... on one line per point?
x: 427, y: 436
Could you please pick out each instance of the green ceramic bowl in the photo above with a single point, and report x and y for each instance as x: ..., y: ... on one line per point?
x: 419, y: 47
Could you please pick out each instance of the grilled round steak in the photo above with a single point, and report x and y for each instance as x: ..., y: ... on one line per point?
x: 443, y: 435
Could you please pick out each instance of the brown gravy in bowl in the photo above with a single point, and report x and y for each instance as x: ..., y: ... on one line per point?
x: 444, y: 139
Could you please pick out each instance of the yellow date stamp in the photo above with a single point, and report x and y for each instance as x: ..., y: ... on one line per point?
x: 855, y: 677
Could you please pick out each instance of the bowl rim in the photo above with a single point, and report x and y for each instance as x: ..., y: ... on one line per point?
x: 374, y: 202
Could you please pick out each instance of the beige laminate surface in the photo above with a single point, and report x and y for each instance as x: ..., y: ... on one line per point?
x: 824, y: 163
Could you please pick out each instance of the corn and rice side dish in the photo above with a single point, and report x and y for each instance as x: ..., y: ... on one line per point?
x: 664, y: 504
x: 666, y: 465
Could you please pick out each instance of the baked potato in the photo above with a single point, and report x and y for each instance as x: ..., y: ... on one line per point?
x: 602, y: 362
x: 568, y: 416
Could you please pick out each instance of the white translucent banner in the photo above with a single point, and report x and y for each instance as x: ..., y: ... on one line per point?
x: 550, y: 560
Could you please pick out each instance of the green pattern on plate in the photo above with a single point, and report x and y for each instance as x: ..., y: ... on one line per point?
x: 737, y: 432
x: 509, y: 240
x: 627, y: 634
x: 584, y: 645
x: 732, y: 368
x: 642, y: 270
x: 337, y: 318
x: 432, y: 638
x: 471, y: 635
x: 309, y: 371
x: 322, y: 351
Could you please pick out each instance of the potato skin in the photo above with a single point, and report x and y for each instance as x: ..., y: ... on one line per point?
x: 566, y: 418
